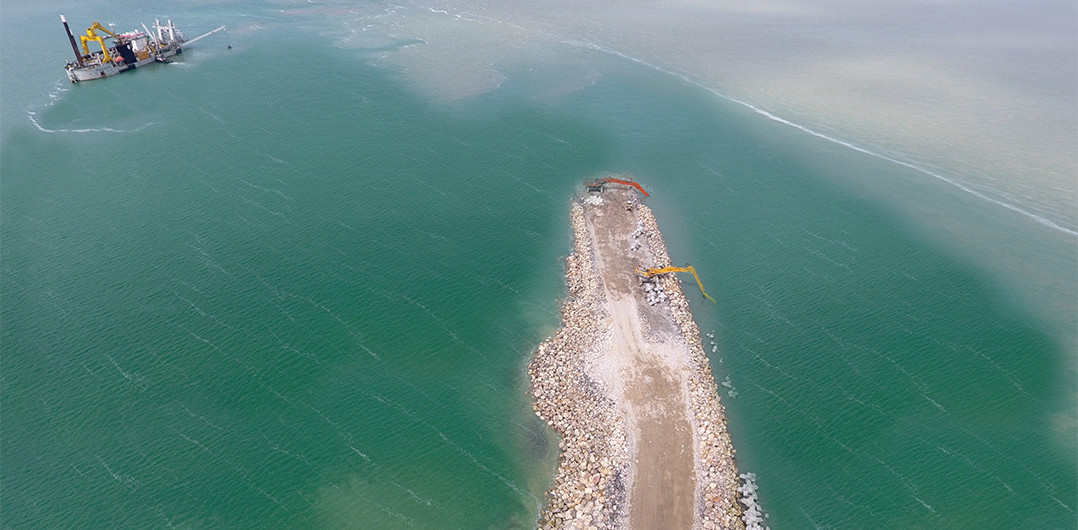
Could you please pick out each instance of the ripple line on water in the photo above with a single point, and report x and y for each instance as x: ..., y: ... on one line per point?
x: 863, y: 150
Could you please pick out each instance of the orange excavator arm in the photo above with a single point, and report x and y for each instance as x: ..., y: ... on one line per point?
x: 648, y: 273
x: 598, y: 184
x: 628, y: 183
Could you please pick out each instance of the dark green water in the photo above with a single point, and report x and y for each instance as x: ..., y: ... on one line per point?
x: 287, y: 291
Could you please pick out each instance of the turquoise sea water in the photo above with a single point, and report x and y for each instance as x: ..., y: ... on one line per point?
x: 287, y: 289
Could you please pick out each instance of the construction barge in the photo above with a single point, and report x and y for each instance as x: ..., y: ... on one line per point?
x: 126, y: 52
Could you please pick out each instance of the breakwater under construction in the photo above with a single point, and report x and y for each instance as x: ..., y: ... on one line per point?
x: 628, y: 387
x: 324, y: 318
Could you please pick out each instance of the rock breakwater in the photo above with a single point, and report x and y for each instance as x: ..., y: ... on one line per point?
x: 590, y: 489
x: 579, y: 394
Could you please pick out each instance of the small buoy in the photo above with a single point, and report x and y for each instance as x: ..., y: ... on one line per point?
x: 230, y: 46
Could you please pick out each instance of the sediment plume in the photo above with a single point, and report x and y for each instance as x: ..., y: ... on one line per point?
x: 627, y: 386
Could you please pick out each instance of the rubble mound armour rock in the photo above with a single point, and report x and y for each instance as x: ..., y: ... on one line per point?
x: 594, y: 475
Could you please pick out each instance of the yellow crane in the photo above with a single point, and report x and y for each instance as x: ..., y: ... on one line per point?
x: 648, y: 273
x: 92, y: 35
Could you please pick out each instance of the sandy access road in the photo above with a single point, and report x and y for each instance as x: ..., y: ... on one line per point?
x: 654, y: 404
x: 627, y: 385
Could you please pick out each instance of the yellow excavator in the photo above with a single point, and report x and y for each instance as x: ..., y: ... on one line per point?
x: 92, y: 35
x: 648, y: 273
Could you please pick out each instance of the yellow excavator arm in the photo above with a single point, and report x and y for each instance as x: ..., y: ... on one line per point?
x: 91, y: 35
x: 648, y: 273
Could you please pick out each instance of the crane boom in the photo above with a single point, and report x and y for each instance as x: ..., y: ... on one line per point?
x: 629, y: 183
x: 648, y: 273
x: 597, y: 185
x: 97, y: 25
x: 150, y: 35
x: 91, y: 35
x: 70, y: 37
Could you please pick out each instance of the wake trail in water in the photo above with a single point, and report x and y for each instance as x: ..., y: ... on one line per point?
x: 1035, y: 217
x: 54, y: 96
x: 41, y: 128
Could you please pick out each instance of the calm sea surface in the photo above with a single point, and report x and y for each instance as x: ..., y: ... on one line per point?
x: 278, y: 287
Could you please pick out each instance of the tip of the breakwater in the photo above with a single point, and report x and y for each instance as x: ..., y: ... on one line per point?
x: 626, y: 384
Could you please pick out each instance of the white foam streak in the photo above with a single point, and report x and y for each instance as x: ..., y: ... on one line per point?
x: 1037, y: 218
x: 31, y: 115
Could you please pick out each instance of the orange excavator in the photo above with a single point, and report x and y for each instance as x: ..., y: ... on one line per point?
x: 597, y: 185
x: 648, y: 273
